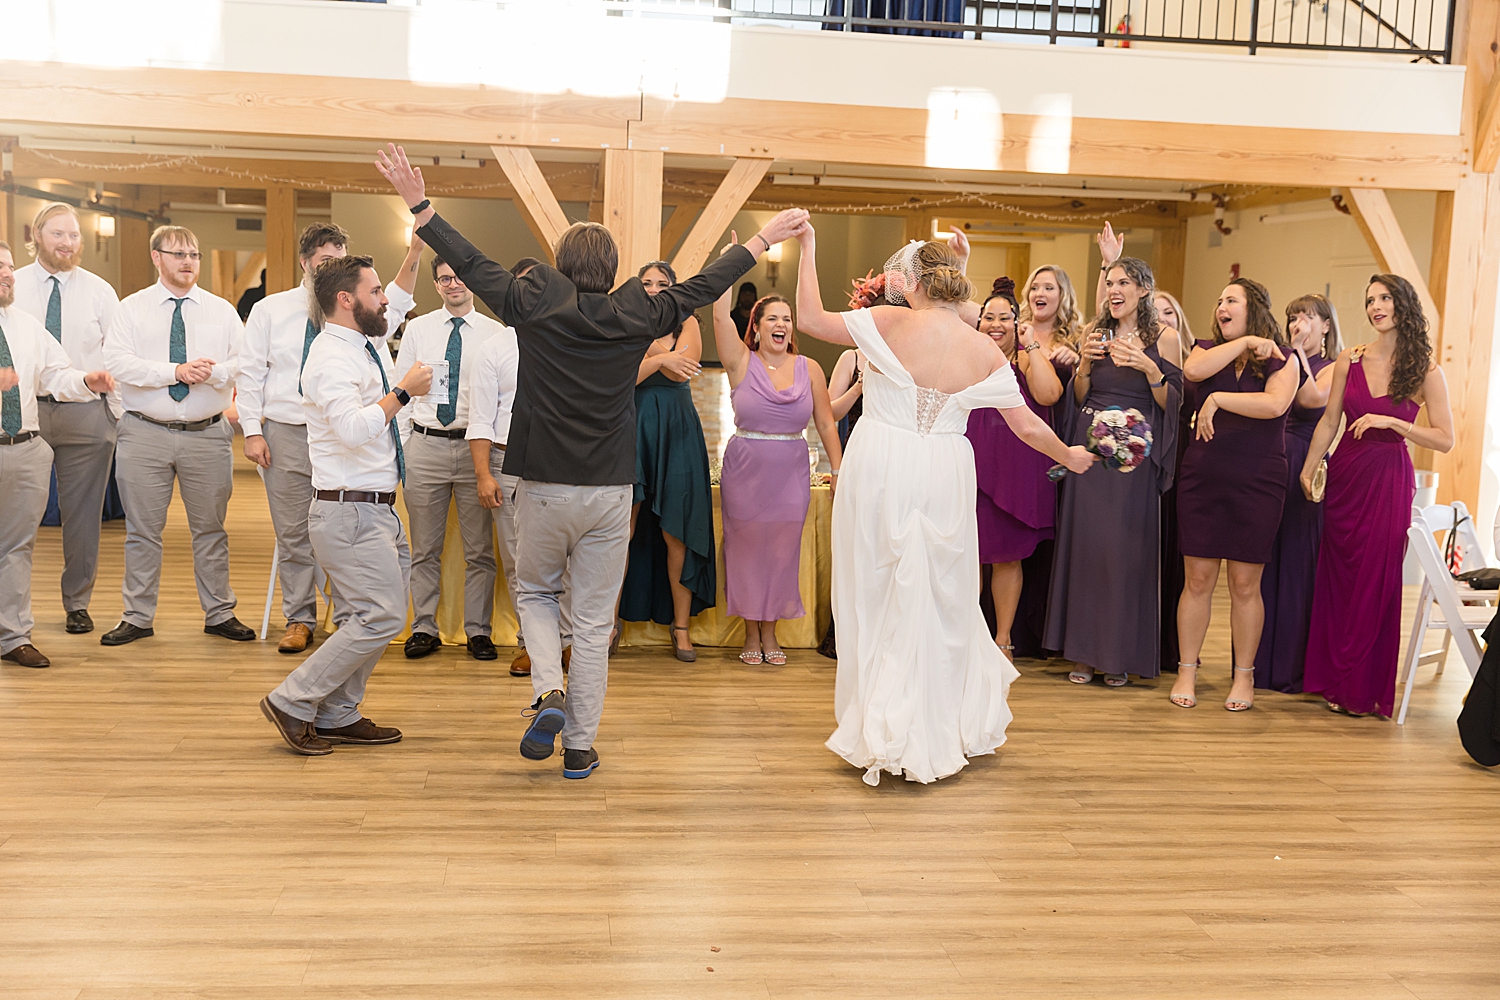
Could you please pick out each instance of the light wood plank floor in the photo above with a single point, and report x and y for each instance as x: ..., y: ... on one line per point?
x: 156, y: 839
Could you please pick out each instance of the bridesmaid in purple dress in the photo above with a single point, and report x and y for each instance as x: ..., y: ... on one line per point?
x: 764, y: 486
x: 1286, y: 586
x: 1016, y: 501
x: 1380, y: 387
x: 1233, y: 482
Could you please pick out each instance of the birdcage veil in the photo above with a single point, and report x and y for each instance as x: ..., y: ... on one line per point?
x: 901, y: 272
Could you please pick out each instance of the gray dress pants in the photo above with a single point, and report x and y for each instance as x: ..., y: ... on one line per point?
x: 82, y: 436
x: 289, y: 492
x: 25, y: 479
x: 202, y: 463
x: 439, y: 470
x: 572, y: 538
x: 363, y: 548
x: 505, y: 527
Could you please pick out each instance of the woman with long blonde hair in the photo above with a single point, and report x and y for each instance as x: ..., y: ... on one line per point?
x: 1049, y: 307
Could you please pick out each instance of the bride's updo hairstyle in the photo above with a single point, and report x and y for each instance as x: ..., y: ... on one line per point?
x: 939, y: 275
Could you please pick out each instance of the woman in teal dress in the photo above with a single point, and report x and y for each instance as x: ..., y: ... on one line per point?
x: 671, y: 573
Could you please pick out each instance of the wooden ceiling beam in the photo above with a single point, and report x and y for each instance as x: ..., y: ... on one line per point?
x: 533, y: 195
x: 738, y: 184
x: 1372, y: 212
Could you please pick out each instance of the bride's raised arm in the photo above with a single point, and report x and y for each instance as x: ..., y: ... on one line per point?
x: 812, y: 318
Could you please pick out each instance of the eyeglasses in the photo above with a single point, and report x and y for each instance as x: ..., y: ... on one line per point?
x: 181, y: 255
x: 448, y: 279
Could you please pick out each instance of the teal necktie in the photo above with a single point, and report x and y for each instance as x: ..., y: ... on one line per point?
x: 178, y: 350
x: 10, y: 399
x: 448, y: 412
x: 308, y: 336
x: 385, y: 384
x: 54, y: 310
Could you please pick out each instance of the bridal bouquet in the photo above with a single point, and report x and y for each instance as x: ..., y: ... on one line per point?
x: 1121, y: 439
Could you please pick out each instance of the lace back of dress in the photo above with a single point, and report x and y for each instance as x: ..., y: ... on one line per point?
x: 930, y: 403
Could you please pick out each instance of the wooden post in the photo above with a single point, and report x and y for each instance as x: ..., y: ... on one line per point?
x: 632, y: 205
x: 7, y: 213
x: 136, y: 269
x: 677, y: 225
x: 281, y: 238
x: 534, y: 198
x: 1171, y: 258
x: 1372, y: 212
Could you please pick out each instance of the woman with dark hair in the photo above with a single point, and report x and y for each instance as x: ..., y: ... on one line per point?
x: 1104, y: 611
x: 670, y: 576
x: 1016, y: 503
x: 765, y: 485
x: 1379, y: 388
x: 1286, y: 586
x: 1233, y: 481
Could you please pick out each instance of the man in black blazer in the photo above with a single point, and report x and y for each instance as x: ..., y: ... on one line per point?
x: 572, y: 436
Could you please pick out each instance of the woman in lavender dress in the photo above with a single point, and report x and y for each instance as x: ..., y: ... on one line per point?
x: 765, y: 483
x: 1380, y: 388
x: 1286, y: 586
x: 1233, y: 481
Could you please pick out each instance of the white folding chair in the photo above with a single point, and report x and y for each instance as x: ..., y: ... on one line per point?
x: 1443, y: 602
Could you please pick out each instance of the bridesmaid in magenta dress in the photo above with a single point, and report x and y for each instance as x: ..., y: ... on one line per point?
x: 1355, y: 635
x: 1234, y: 480
x: 1286, y: 586
x: 764, y: 485
x: 1016, y: 501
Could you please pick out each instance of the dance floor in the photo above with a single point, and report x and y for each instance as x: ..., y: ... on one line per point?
x: 157, y: 839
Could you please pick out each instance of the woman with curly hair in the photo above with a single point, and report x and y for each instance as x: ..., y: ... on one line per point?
x: 1104, y: 611
x: 1379, y: 388
x: 1233, y: 481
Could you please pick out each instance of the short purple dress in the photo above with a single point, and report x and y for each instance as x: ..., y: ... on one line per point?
x: 1017, y: 503
x: 764, y: 492
x: 1286, y: 586
x: 1231, y: 490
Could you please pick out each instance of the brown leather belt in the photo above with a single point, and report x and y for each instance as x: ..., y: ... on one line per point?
x: 181, y: 425
x: 356, y: 496
x: 453, y: 434
x: 20, y: 438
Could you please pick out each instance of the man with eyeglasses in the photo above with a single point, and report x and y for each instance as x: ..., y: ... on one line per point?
x: 278, y: 337
x: 439, y: 469
x: 76, y: 307
x: 174, y: 350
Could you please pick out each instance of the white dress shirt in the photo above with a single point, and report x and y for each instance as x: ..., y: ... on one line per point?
x: 271, y: 356
x: 348, y: 438
x: 426, y: 340
x: 43, y: 366
x: 138, y: 349
x: 491, y: 391
x: 89, y: 305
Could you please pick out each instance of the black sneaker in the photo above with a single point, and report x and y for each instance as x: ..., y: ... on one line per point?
x: 579, y: 763
x: 551, y: 713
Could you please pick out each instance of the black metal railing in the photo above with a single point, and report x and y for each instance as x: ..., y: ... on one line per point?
x: 1419, y: 30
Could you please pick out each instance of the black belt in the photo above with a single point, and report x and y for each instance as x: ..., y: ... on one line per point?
x: 452, y: 435
x: 64, y: 402
x: 356, y: 496
x: 181, y: 425
x: 20, y: 438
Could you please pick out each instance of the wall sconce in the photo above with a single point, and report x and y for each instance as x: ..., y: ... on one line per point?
x: 773, y: 264
x: 104, y: 229
x: 410, y: 230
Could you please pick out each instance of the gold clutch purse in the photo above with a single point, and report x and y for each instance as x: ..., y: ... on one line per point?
x: 1320, y: 481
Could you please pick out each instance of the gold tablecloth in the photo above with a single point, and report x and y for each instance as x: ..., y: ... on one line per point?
x: 714, y: 627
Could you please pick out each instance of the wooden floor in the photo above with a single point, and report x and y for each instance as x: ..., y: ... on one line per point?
x: 157, y: 840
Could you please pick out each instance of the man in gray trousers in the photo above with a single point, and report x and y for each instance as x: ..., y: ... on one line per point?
x: 357, y: 461
x: 572, y: 437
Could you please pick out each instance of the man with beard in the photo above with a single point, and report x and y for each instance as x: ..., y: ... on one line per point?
x: 76, y: 307
x: 174, y: 349
x: 32, y: 364
x: 278, y: 337
x: 357, y: 461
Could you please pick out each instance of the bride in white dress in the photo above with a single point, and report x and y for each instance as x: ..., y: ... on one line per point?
x: 921, y: 684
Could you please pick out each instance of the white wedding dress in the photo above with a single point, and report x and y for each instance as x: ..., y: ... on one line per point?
x: 921, y: 684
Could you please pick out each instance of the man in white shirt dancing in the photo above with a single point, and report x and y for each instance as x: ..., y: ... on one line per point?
x: 278, y: 336
x: 32, y: 364
x: 174, y: 350
x: 76, y: 307
x: 357, y: 462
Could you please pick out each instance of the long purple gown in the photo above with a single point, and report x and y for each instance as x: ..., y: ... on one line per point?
x: 1016, y: 502
x: 1231, y: 489
x: 1286, y: 586
x: 1104, y: 609
x: 1355, y: 637
x: 764, y: 492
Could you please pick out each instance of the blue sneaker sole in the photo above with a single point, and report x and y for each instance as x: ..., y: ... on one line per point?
x: 537, y: 743
x: 583, y: 773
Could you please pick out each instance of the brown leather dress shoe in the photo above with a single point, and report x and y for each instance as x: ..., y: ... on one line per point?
x: 363, y: 733
x: 27, y: 655
x: 298, y: 637
x: 299, y: 735
x: 521, y: 665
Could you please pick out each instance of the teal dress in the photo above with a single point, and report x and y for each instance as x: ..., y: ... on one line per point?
x: 672, y: 487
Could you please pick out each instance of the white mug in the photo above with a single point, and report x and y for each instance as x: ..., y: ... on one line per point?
x: 439, y: 390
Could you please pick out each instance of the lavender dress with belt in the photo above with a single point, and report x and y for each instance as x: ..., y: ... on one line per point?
x: 764, y: 494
